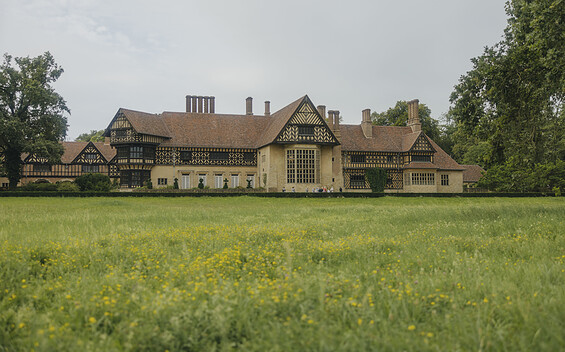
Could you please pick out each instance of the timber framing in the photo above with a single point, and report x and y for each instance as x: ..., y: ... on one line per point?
x: 299, y: 148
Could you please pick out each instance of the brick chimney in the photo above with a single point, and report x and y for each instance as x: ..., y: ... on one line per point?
x: 267, y: 108
x: 366, y: 124
x: 249, y: 106
x: 200, y: 104
x: 334, y: 118
x: 413, y: 118
x: 322, y: 112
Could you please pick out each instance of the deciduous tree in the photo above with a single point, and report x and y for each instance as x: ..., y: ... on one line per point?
x: 32, y: 114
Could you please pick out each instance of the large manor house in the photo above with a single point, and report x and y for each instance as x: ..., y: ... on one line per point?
x: 299, y: 147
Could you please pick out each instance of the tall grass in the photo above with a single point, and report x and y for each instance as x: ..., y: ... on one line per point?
x: 194, y: 274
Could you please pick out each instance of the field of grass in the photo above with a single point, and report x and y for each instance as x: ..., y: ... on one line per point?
x: 254, y: 274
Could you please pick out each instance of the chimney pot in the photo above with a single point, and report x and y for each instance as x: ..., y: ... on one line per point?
x: 200, y: 102
x: 212, y: 105
x: 249, y: 106
x: 206, y: 104
x: 188, y: 103
x: 267, y: 108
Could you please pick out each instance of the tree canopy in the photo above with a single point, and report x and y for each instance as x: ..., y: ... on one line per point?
x: 509, y: 109
x: 32, y: 114
x: 398, y: 116
x: 92, y: 136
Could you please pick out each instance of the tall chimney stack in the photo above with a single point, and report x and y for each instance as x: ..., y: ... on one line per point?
x: 200, y: 102
x: 366, y: 124
x: 336, y: 131
x: 249, y: 106
x: 322, y: 112
x: 189, y: 103
x: 212, y: 105
x: 413, y: 118
x: 206, y: 104
x: 267, y: 108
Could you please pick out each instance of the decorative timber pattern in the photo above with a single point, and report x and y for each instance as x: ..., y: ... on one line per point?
x: 371, y: 159
x: 32, y: 159
x: 89, y: 155
x: 306, y: 126
x: 422, y: 145
x: 206, y: 156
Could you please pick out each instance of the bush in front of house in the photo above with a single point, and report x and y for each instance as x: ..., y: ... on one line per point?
x: 94, y: 182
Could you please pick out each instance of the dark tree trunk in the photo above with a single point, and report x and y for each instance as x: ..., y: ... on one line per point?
x: 13, y: 163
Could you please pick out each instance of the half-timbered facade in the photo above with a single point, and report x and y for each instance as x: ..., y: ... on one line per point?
x: 301, y: 147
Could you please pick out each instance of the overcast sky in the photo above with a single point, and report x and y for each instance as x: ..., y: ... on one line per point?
x: 347, y: 55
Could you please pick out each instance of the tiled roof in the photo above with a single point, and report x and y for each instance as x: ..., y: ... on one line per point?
x: 393, y: 139
x: 385, y: 138
x: 214, y: 130
x: 73, y: 149
x: 277, y: 121
x: 142, y: 122
x: 472, y: 173
x: 255, y: 131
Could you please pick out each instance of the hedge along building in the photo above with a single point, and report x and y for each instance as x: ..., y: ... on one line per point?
x: 299, y: 146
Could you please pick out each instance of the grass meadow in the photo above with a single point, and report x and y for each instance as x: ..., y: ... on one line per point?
x: 267, y: 274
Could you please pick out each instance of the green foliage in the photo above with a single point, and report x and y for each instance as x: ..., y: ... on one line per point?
x: 201, y: 183
x: 176, y: 183
x: 398, y: 116
x: 512, y: 176
x: 67, y: 186
x: 149, y: 184
x: 415, y: 274
x: 39, y: 186
x: 377, y: 179
x: 93, y: 136
x: 248, y: 183
x: 225, y: 183
x: 32, y: 114
x: 94, y: 182
x: 509, y: 109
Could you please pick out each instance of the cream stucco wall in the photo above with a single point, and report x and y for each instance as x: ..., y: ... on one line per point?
x: 455, y: 182
x: 170, y: 172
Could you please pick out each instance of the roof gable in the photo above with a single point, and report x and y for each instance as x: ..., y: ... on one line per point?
x: 139, y: 122
x: 422, y: 144
x: 90, y: 155
x: 305, y: 116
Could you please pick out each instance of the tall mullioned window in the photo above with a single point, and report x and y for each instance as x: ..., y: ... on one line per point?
x: 302, y: 166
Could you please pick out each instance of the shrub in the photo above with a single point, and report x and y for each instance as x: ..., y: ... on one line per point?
x: 377, y: 179
x: 94, y: 182
x: 201, y: 183
x: 41, y: 186
x: 67, y: 186
x: 225, y: 183
x: 149, y: 184
x: 176, y: 183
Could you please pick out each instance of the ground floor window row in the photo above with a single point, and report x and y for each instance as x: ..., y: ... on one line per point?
x: 208, y: 180
x: 425, y: 179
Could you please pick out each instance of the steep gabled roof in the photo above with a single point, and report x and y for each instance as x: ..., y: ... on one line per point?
x: 213, y: 130
x: 142, y: 122
x: 73, y: 149
x: 278, y: 120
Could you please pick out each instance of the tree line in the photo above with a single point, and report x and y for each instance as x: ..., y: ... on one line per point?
x: 507, y: 113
